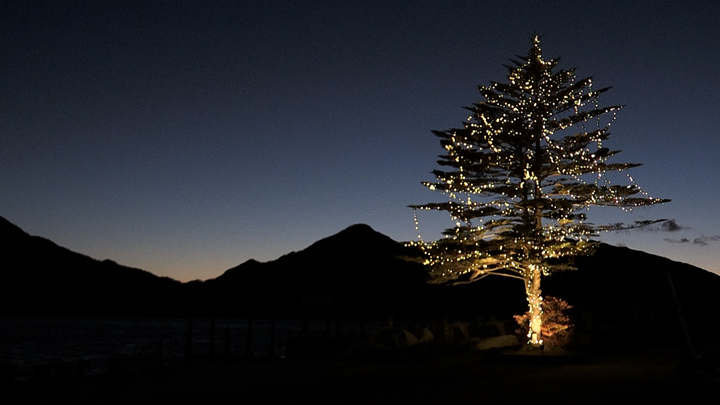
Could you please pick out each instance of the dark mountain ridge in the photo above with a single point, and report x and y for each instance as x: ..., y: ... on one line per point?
x: 355, y: 274
x: 42, y: 278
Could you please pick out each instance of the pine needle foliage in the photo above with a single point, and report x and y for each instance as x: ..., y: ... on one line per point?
x: 520, y: 174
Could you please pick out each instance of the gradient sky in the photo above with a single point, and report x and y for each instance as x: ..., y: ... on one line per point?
x: 186, y: 137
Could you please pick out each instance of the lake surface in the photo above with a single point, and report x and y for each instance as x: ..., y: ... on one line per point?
x: 29, y: 344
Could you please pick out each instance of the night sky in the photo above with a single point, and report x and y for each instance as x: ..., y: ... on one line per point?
x: 186, y: 137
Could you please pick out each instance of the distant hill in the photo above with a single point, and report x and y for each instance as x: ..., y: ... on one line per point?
x: 358, y: 274
x: 355, y: 273
x: 38, y: 277
x: 630, y: 292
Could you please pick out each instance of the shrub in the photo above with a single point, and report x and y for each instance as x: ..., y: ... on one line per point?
x: 557, y: 331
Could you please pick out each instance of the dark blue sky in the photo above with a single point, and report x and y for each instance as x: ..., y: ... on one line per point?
x: 185, y: 137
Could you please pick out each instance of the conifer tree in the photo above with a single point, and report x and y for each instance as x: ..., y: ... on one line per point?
x: 519, y: 176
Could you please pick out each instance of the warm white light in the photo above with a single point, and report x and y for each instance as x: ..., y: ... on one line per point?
x: 525, y: 166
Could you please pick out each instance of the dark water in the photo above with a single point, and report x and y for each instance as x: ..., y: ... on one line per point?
x: 28, y: 344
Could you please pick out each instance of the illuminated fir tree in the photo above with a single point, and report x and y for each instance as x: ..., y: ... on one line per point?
x: 519, y: 176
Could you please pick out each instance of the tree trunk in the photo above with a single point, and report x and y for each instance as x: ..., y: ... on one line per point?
x: 534, y: 297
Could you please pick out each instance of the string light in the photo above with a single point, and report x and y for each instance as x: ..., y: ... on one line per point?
x: 520, y: 175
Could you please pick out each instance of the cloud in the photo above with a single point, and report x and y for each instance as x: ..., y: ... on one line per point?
x: 703, y: 240
x: 670, y: 226
x: 682, y: 240
x: 700, y: 241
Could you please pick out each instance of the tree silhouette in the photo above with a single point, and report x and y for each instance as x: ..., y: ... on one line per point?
x: 519, y: 176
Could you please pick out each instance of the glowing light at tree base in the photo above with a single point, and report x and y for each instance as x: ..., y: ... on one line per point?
x: 520, y: 176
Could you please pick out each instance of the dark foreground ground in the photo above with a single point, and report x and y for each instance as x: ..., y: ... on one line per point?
x: 457, y: 378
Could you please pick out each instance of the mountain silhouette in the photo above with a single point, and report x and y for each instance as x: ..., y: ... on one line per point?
x: 42, y: 278
x: 359, y: 273
x: 643, y: 295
